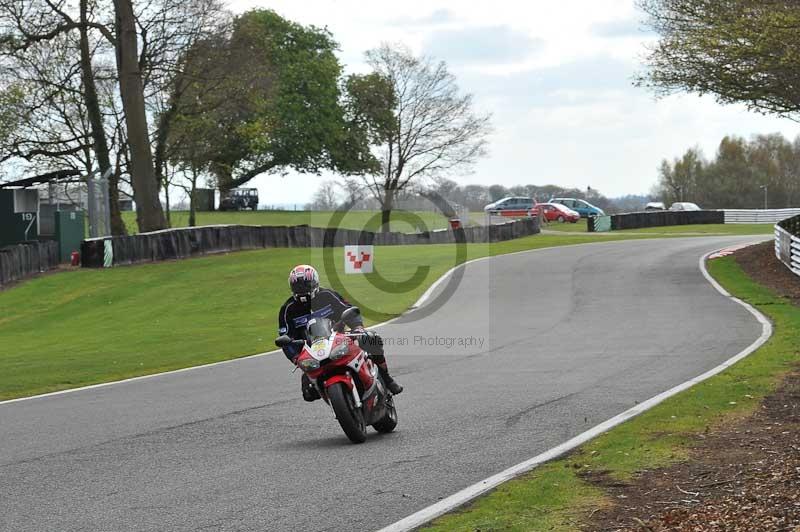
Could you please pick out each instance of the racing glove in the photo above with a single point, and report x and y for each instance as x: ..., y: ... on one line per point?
x: 371, y: 342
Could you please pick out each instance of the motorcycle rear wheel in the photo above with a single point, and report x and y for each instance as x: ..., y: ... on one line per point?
x: 388, y: 422
x: 348, y: 415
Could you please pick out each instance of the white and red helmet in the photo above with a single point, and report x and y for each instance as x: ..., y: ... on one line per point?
x: 304, y: 282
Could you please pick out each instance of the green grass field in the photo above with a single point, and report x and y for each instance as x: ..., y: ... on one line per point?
x: 699, y: 229
x: 708, y: 229
x: 88, y: 326
x: 402, y: 221
x: 554, y: 497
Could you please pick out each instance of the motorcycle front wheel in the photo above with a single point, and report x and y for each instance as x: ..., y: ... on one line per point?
x: 347, y: 414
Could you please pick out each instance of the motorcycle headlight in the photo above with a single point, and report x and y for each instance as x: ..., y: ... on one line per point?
x: 309, y: 364
x: 339, y: 351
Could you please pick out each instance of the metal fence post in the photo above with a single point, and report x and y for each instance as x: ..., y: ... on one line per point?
x: 90, y: 192
x: 99, y: 205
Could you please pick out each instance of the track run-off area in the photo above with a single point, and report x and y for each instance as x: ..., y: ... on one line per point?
x: 530, y: 350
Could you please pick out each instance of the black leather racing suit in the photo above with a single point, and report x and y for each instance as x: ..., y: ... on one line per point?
x: 294, y: 315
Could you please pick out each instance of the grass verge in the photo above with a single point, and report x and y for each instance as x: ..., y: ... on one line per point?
x: 706, y: 229
x: 556, y: 496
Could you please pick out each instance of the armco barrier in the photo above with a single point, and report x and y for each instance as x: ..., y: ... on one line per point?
x: 639, y: 220
x: 192, y: 241
x: 787, y: 243
x: 23, y: 260
x: 758, y: 216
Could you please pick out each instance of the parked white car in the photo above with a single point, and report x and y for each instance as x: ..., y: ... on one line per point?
x: 655, y: 206
x: 684, y: 206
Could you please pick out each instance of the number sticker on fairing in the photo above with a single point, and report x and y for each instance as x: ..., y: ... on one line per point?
x: 319, y: 349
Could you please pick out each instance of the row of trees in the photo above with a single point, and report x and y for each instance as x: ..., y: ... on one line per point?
x: 740, y: 174
x: 175, y: 92
x: 475, y: 197
x: 739, y: 51
x: 331, y: 195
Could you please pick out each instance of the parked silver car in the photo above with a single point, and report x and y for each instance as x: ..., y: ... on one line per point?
x: 512, y: 203
x: 684, y: 206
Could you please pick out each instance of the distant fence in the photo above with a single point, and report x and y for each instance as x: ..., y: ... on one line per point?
x: 758, y: 216
x: 503, y: 216
x: 193, y: 241
x: 639, y: 220
x: 23, y: 260
x: 787, y: 243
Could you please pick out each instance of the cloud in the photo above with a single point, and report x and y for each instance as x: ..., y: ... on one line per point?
x: 436, y: 18
x: 585, y: 80
x: 481, y: 45
x: 620, y: 28
x: 557, y: 81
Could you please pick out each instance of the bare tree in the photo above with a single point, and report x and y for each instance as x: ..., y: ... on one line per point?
x: 435, y: 130
x: 326, y: 198
x: 39, y: 64
x: 61, y: 57
x: 40, y: 44
x: 172, y: 31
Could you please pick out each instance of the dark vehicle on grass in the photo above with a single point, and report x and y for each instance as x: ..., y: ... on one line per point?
x: 238, y: 199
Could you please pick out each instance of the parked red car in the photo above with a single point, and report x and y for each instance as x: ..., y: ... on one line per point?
x: 555, y: 212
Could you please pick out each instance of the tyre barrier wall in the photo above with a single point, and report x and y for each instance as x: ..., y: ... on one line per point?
x: 787, y: 243
x: 24, y: 260
x: 187, y: 242
x: 639, y: 220
x: 758, y: 216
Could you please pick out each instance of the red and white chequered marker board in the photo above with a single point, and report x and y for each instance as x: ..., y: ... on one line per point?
x: 727, y: 251
x: 358, y: 259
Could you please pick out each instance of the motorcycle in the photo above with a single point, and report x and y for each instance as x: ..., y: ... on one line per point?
x: 345, y: 376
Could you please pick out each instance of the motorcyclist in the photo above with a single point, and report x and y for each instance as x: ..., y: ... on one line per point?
x: 309, y: 301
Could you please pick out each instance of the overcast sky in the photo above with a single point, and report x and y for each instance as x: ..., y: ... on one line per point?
x: 556, y: 77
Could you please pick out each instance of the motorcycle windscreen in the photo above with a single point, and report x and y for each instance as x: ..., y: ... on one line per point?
x: 318, y: 328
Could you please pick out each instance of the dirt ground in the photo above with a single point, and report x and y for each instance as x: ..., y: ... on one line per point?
x: 760, y: 263
x: 742, y: 477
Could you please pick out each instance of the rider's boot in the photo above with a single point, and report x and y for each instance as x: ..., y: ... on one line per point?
x: 390, y: 383
x: 310, y: 393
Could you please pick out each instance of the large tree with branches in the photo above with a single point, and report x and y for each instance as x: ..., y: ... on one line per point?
x: 263, y: 96
x: 91, y: 74
x: 740, y: 51
x: 434, y: 129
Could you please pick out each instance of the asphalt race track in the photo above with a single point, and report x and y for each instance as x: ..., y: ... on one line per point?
x: 552, y: 343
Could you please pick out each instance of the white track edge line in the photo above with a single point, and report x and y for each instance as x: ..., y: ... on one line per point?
x: 134, y: 379
x: 469, y: 493
x: 423, y: 298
